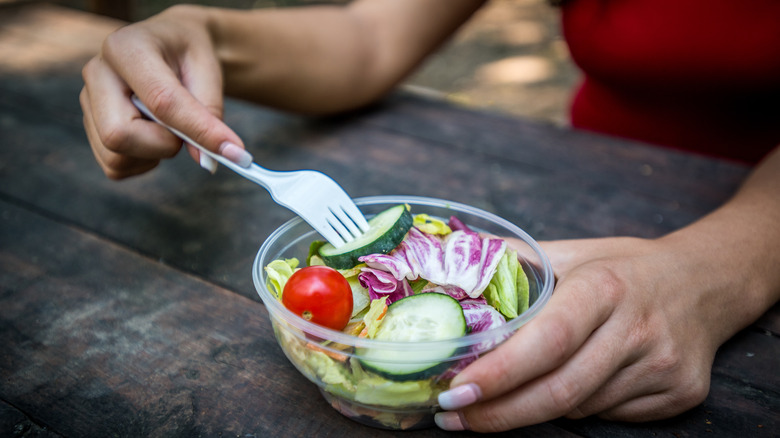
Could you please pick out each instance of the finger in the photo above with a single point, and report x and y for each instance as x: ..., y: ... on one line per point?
x: 206, y: 87
x: 636, y: 380
x: 543, y: 344
x: 118, y: 124
x: 150, y: 76
x: 651, y: 408
x: 558, y: 392
x: 625, y: 385
x: 671, y: 381
x: 115, y: 166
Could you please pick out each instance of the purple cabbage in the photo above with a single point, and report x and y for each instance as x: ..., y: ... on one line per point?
x: 480, y: 316
x: 462, y: 262
x: 382, y: 283
x: 457, y: 225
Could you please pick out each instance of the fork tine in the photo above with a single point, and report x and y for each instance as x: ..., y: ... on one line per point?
x: 355, y: 216
x: 351, y: 228
x: 324, y: 227
x: 337, y: 225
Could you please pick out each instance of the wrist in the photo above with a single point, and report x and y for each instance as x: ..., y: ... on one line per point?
x: 725, y: 273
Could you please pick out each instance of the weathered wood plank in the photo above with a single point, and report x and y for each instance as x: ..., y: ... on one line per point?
x: 14, y: 423
x: 751, y: 357
x: 770, y: 321
x: 660, y: 170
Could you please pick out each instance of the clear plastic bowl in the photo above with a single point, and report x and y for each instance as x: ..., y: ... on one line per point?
x: 331, y: 359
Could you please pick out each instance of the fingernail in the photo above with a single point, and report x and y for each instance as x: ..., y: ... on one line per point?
x: 460, y: 396
x: 450, y: 421
x: 208, y: 163
x: 236, y: 154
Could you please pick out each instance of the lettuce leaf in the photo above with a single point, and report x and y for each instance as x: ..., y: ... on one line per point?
x: 418, y: 285
x: 376, y: 313
x: 360, y: 296
x: 508, y: 289
x: 279, y: 271
x: 523, y: 290
x: 314, y: 252
x: 376, y: 390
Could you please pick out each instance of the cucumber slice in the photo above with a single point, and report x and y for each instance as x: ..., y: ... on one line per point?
x: 386, y: 231
x: 424, y: 317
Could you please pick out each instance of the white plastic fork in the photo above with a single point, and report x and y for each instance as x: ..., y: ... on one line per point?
x: 310, y: 194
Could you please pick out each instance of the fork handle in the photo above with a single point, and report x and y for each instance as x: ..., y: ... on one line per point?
x: 245, y: 172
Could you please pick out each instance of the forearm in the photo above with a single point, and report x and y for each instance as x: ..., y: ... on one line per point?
x: 330, y: 58
x: 731, y: 256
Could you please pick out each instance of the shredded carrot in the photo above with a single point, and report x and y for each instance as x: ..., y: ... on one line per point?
x: 333, y: 355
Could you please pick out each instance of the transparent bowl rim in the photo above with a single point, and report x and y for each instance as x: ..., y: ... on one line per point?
x: 277, y: 310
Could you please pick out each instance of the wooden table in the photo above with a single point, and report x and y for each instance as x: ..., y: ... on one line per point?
x: 127, y: 308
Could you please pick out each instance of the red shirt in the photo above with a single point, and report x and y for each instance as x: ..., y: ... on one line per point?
x: 700, y: 75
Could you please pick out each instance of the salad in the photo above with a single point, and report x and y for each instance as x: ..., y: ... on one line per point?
x: 410, y: 278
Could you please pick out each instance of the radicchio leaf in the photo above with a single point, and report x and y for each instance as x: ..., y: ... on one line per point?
x: 382, y: 284
x: 461, y: 263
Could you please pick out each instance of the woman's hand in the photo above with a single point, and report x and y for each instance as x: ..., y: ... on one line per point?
x: 630, y: 334
x: 617, y: 339
x: 170, y: 63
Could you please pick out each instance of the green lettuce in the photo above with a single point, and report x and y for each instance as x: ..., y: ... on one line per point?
x: 376, y: 390
x: 360, y: 298
x: 376, y: 312
x: 508, y: 289
x: 332, y: 373
x: 314, y: 252
x: 373, y: 389
x: 279, y: 271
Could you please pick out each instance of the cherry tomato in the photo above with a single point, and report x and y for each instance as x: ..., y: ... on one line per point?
x: 319, y: 294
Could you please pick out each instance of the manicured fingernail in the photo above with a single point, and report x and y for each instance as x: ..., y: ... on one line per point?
x: 450, y: 421
x: 460, y: 396
x: 236, y: 154
x: 208, y: 163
